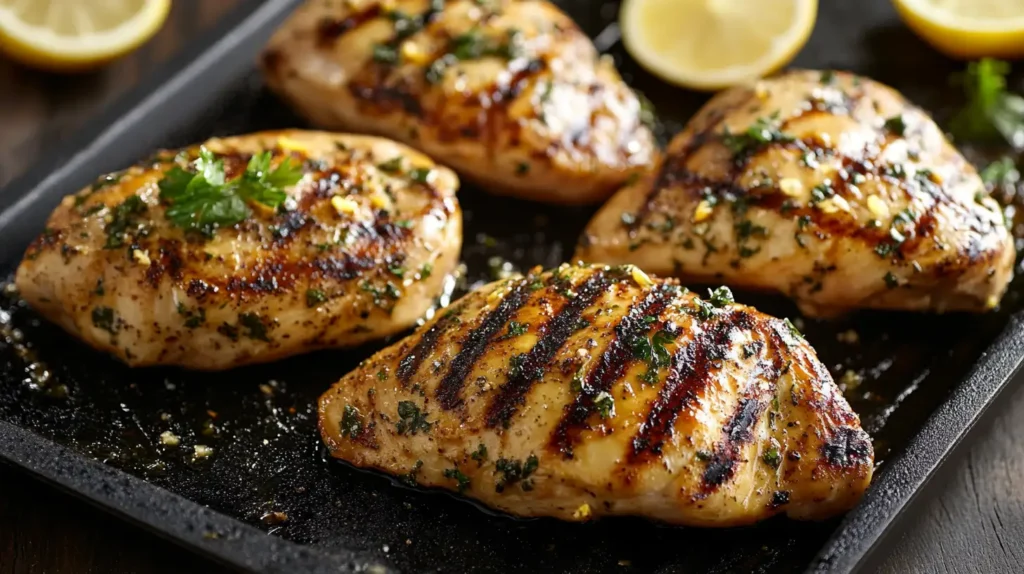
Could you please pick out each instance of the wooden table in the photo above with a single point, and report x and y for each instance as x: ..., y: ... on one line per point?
x: 973, y: 520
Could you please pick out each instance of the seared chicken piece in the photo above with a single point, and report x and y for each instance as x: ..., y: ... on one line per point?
x: 358, y: 249
x: 590, y: 391
x: 510, y: 94
x: 825, y: 186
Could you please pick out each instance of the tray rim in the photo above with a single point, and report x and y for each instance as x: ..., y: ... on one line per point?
x: 223, y: 55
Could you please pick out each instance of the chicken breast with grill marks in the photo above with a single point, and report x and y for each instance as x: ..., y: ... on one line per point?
x: 357, y: 250
x: 511, y: 94
x: 825, y: 186
x: 590, y: 391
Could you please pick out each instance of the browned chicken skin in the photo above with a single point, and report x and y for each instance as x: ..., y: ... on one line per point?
x: 509, y: 93
x: 590, y: 391
x: 825, y: 186
x: 358, y: 251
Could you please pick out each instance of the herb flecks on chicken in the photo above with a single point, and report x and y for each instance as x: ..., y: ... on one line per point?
x: 248, y: 249
x: 830, y: 188
x: 625, y: 395
x: 512, y: 94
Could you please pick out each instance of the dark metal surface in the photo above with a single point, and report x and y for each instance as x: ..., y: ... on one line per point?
x: 926, y: 379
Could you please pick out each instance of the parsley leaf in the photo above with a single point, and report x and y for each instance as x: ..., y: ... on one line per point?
x: 605, y: 405
x: 412, y: 419
x: 124, y: 220
x: 461, y: 480
x: 1001, y: 173
x: 721, y: 297
x: 351, y: 422
x: 764, y: 131
x: 203, y: 200
x: 990, y: 111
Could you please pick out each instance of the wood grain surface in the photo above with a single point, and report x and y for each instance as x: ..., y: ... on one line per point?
x: 971, y: 521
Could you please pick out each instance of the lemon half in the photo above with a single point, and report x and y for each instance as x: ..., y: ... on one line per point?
x: 968, y: 29
x: 714, y: 44
x: 68, y: 35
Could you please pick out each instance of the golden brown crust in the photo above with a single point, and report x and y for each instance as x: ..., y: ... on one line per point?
x: 509, y: 93
x: 599, y: 388
x: 284, y: 281
x: 838, y: 193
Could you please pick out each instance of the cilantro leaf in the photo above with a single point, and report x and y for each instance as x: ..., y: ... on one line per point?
x: 203, y: 199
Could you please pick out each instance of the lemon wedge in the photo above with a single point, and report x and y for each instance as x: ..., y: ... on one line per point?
x: 967, y: 29
x: 71, y: 35
x: 714, y: 44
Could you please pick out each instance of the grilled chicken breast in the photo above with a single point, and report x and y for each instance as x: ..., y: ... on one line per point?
x: 590, y: 391
x: 358, y: 250
x: 825, y: 186
x: 509, y: 93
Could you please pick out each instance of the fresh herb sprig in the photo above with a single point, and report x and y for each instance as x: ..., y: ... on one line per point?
x: 991, y: 111
x: 1001, y: 173
x: 204, y: 200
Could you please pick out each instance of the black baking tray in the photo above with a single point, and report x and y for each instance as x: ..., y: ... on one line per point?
x: 89, y: 425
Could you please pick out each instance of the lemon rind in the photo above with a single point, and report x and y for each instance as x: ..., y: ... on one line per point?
x: 784, y: 49
x: 43, y: 46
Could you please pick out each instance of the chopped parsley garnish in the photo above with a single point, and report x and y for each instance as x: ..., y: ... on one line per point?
x: 381, y: 295
x: 604, y: 403
x: 480, y: 454
x: 203, y: 200
x: 827, y: 77
x: 404, y: 24
x: 412, y: 419
x: 229, y: 331
x: 891, y: 281
x: 393, y: 165
x: 822, y: 191
x: 896, y: 125
x: 410, y: 477
x: 351, y: 422
x: 991, y: 111
x: 721, y: 297
x: 385, y: 54
x: 513, y: 471
x: 193, y: 318
x: 473, y: 45
x: 124, y: 216
x: 792, y: 329
x: 515, y: 328
x: 522, y: 168
x: 461, y: 480
x: 426, y: 270
x: 764, y: 131
x: 517, y: 368
x: 886, y: 248
x: 435, y: 71
x: 103, y: 318
x: 254, y: 326
x: 421, y: 175
x: 772, y: 457
x: 315, y: 297
x: 703, y: 309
